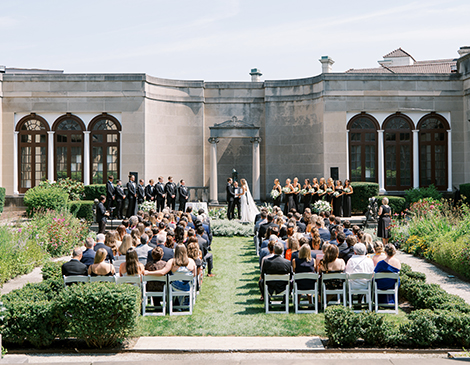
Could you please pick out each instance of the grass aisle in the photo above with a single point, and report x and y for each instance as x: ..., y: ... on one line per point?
x: 228, y: 304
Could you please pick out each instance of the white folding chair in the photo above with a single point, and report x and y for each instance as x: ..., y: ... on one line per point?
x: 276, y: 300
x: 256, y: 240
x: 76, y: 279
x: 181, y: 295
x: 147, y: 295
x: 393, y: 291
x: 109, y: 279
x: 360, y: 279
x: 341, y: 291
x: 135, y: 280
x: 299, y: 294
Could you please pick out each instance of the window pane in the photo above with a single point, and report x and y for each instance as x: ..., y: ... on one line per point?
x: 69, y: 125
x: 405, y: 165
x: 112, y: 138
x: 62, y: 138
x: 26, y: 168
x: 356, y: 163
x: 97, y: 165
x: 97, y: 138
x: 61, y: 162
x: 104, y: 125
x: 397, y: 123
x: 26, y: 138
x: 76, y: 163
x: 363, y: 123
x: 76, y: 138
x: 391, y: 165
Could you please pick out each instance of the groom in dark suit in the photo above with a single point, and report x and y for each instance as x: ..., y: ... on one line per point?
x: 230, y: 199
x: 236, y: 200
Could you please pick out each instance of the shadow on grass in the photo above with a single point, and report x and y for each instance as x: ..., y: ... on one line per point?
x: 249, y: 285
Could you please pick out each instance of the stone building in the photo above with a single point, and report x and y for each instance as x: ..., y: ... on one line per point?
x: 403, y: 124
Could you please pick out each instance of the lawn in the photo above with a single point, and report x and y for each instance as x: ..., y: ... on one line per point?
x: 229, y: 305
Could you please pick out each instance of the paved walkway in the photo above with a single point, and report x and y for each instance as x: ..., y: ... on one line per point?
x: 435, y: 275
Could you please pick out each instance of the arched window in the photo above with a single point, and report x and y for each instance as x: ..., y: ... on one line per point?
x: 69, y: 147
x: 433, y: 151
x: 104, y: 148
x: 32, y: 161
x: 363, y: 148
x: 398, y: 147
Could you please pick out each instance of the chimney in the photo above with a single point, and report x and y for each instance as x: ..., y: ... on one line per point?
x: 255, y: 75
x: 326, y: 64
x: 464, y: 51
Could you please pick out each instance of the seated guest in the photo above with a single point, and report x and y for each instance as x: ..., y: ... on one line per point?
x: 304, y: 263
x: 195, y: 253
x: 341, y: 238
x: 182, y: 264
x: 143, y: 249
x: 355, y: 229
x: 204, y: 247
x: 88, y: 256
x: 167, y: 252
x: 348, y: 252
x: 322, y: 231
x: 330, y: 262
x: 379, y: 254
x: 125, y: 245
x: 272, y: 231
x: 347, y: 228
x: 359, y: 263
x: 264, y: 227
x: 333, y: 234
x: 267, y: 251
x: 100, y: 267
x: 111, y: 241
x: 301, y: 227
x: 132, y: 266
x: 74, y: 267
x: 156, y: 264
x: 100, y: 239
x: 315, y: 243
x: 275, y: 265
x: 389, y: 265
x: 367, y: 240
x: 292, y: 246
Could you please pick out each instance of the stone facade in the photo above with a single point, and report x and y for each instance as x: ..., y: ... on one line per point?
x: 302, y: 123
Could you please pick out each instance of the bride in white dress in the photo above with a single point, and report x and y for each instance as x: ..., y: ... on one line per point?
x: 247, y: 204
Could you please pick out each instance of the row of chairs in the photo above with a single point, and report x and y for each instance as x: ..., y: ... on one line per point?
x: 306, y: 301
x: 185, y: 300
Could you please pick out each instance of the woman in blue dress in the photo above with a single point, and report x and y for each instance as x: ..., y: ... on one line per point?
x: 389, y: 265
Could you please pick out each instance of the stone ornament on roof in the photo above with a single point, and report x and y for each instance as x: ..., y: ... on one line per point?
x: 234, y: 123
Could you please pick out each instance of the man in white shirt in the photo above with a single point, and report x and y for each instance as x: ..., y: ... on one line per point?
x: 359, y: 263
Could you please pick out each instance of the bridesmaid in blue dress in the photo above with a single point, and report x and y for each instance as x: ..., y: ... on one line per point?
x: 389, y: 265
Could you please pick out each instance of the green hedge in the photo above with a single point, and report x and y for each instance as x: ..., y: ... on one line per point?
x: 101, y: 314
x: 82, y: 209
x: 397, y: 203
x: 45, y: 198
x: 362, y: 192
x: 2, y: 199
x: 52, y: 270
x: 94, y: 191
x: 415, y: 195
x: 465, y: 191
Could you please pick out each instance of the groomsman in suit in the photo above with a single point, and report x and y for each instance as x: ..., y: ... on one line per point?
x: 184, y: 195
x: 230, y: 199
x: 150, y: 191
x: 236, y: 201
x: 120, y: 196
x: 170, y: 189
x: 140, y: 192
x: 160, y: 194
x: 101, y: 215
x: 131, y: 196
x: 110, y: 192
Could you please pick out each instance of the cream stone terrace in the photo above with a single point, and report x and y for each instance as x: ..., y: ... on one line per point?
x: 404, y: 124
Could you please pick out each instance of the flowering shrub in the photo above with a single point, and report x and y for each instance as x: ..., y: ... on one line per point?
x: 321, y: 206
x: 147, y: 206
x: 218, y: 213
x: 57, y: 232
x: 231, y: 228
x: 74, y: 189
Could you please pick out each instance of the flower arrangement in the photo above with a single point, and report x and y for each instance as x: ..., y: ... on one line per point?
x: 275, y: 193
x: 286, y: 190
x: 304, y: 191
x: 321, y: 206
x: 147, y: 206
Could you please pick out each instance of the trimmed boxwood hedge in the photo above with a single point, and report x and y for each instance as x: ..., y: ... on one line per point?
x: 2, y: 199
x: 465, y: 191
x: 397, y: 203
x: 94, y: 191
x: 82, y: 209
x: 44, y: 198
x: 362, y: 192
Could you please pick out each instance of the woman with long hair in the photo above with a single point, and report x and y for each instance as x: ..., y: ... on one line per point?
x: 132, y: 266
x: 307, y: 195
x: 297, y: 187
x: 248, y: 208
x: 347, y: 192
x: 288, y: 191
x: 277, y: 187
x: 99, y: 267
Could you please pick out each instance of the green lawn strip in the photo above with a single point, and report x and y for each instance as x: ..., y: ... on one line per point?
x: 229, y: 305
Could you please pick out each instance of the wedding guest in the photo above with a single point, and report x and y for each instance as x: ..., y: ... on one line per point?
x: 367, y: 240
x: 183, y: 195
x: 348, y: 190
x: 119, y: 196
x: 160, y: 194
x: 324, y: 233
x: 74, y: 267
x: 301, y: 227
x: 111, y: 241
x: 389, y: 265
x: 304, y: 263
x: 100, y: 238
x: 125, y: 245
x: 267, y: 251
x: 132, y: 266
x: 88, y: 256
x: 330, y: 263
x: 275, y: 265
x: 153, y: 265
x: 143, y: 249
x: 359, y: 263
x: 379, y: 254
x: 170, y: 189
x: 292, y: 246
x: 347, y: 253
x: 100, y: 267
x: 131, y: 196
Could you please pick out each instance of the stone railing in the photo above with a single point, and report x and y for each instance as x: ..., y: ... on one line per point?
x: 198, y: 193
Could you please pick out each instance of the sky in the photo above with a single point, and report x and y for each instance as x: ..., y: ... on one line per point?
x: 222, y: 40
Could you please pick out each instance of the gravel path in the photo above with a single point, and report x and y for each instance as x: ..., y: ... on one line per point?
x: 435, y: 275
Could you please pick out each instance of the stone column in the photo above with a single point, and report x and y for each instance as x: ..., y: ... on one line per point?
x: 120, y: 155
x: 449, y: 160
x: 50, y: 155
x: 381, y: 162
x: 415, y: 159
x: 86, y: 157
x: 214, y: 198
x: 16, y: 153
x: 347, y: 155
x: 256, y: 168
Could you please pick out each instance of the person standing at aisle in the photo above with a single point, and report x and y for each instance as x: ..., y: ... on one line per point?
x: 110, y: 193
x: 101, y: 215
x: 184, y: 195
x: 160, y: 194
x: 170, y: 189
x: 131, y: 197
x: 120, y: 196
x: 230, y: 199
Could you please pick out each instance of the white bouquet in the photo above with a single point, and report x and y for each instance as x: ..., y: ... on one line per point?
x: 275, y: 193
x: 296, y: 189
x: 320, y: 191
x: 304, y: 191
x: 311, y: 191
x: 286, y: 190
x: 347, y: 190
x: 336, y: 194
x: 147, y: 205
x: 329, y: 190
x: 321, y: 206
